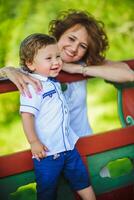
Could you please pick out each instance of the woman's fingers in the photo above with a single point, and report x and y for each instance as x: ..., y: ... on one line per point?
x: 36, y: 84
x: 21, y: 80
x: 18, y: 79
x: 30, y: 80
x: 19, y: 86
x: 25, y: 89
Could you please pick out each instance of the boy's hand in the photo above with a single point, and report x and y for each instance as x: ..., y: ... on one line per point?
x: 38, y: 150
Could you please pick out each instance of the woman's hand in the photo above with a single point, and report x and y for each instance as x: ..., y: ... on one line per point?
x: 72, y: 68
x: 111, y: 71
x: 21, y: 80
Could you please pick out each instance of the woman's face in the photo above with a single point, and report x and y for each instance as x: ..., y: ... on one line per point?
x: 73, y: 44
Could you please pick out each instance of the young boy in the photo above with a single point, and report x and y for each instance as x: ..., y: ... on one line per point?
x: 45, y: 118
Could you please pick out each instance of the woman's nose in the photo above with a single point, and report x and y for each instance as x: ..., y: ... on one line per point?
x: 74, y: 47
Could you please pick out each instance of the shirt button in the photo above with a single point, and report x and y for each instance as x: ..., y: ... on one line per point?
x: 65, y: 111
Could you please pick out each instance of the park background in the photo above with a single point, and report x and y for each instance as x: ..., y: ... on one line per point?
x: 21, y: 18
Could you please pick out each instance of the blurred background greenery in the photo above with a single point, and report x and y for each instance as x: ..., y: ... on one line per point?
x: 21, y: 18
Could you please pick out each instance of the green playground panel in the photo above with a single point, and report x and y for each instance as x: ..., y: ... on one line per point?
x: 124, y: 174
x: 11, y: 183
x: 129, y: 120
x: 24, y: 192
x: 22, y: 186
x: 120, y: 87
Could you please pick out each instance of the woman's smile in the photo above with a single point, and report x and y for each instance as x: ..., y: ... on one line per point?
x: 69, y: 52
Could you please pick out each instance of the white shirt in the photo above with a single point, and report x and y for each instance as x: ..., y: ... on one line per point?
x: 76, y: 96
x: 52, y: 119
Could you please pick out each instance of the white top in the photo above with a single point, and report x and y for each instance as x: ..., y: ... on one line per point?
x: 51, y: 113
x: 76, y: 96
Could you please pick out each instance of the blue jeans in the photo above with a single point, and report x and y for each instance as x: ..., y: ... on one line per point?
x: 48, y: 170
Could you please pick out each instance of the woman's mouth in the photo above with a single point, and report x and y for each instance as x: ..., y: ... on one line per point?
x: 69, y: 53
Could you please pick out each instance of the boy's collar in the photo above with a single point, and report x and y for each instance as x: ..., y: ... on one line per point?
x: 42, y: 78
x: 38, y: 76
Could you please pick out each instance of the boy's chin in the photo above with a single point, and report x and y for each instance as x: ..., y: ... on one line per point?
x: 54, y: 75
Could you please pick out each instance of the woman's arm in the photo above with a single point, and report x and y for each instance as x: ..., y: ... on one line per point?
x: 111, y: 71
x: 20, y: 79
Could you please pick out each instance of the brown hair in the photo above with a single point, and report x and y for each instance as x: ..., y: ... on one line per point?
x: 30, y: 46
x: 98, y: 42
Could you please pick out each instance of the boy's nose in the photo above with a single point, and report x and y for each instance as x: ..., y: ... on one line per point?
x: 55, y: 61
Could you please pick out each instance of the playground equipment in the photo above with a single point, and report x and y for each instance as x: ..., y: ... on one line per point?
x: 109, y: 156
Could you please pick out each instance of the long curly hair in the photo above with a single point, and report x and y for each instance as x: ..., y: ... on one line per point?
x: 98, y: 41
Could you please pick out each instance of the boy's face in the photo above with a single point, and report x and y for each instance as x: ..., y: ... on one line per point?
x: 47, y: 61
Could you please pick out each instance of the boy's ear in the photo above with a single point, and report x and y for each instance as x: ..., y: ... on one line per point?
x: 30, y: 66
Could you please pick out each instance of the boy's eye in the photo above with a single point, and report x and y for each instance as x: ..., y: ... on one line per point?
x: 48, y: 58
x: 58, y: 56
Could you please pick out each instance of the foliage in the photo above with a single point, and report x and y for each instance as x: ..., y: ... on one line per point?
x: 9, y: 106
x: 20, y: 18
x: 24, y: 192
x: 102, y: 106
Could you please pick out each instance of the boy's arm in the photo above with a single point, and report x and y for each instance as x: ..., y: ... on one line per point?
x: 37, y: 148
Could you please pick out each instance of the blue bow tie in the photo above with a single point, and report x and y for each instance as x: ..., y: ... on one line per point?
x: 63, y: 85
x: 52, y: 79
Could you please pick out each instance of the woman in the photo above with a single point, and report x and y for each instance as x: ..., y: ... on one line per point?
x: 82, y: 43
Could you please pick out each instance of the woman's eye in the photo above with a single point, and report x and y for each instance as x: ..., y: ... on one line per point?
x: 84, y: 47
x: 58, y: 56
x: 71, y: 39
